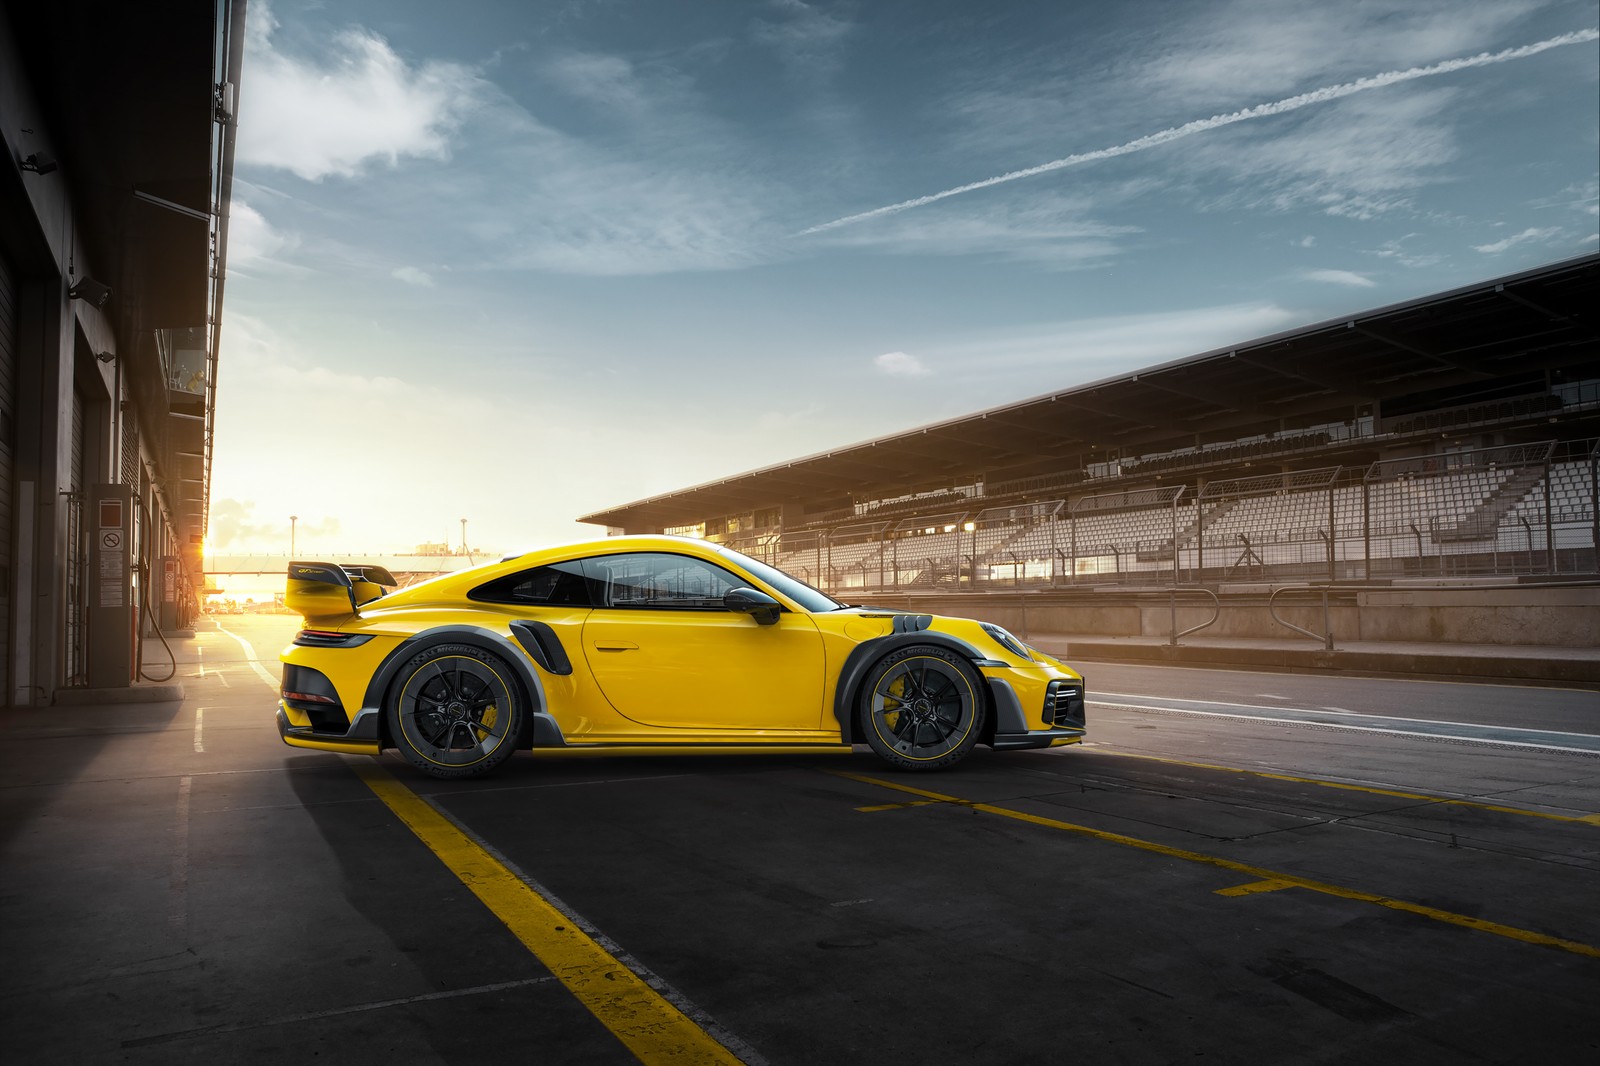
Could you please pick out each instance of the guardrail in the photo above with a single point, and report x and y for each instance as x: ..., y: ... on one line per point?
x: 1272, y: 609
x: 1216, y: 612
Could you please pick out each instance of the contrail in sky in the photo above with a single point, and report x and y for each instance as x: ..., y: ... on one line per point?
x: 1293, y: 103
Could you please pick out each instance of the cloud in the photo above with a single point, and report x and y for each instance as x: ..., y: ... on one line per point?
x: 1583, y: 198
x: 1256, y: 47
x: 1031, y: 359
x: 412, y: 276
x: 1340, y: 277
x: 1050, y: 230
x: 356, y: 104
x: 1196, y: 57
x: 1360, y: 158
x: 1525, y: 237
x: 605, y: 80
x: 233, y: 524
x: 251, y: 237
x: 900, y: 365
x: 805, y: 37
x: 678, y: 197
x: 1315, y: 97
x: 655, y: 183
x: 625, y: 170
x: 1395, y: 251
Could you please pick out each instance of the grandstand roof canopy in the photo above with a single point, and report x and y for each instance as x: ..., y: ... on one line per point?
x: 1486, y: 333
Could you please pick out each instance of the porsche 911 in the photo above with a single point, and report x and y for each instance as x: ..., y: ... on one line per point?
x: 649, y: 644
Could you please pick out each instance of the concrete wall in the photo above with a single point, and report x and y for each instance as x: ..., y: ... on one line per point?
x: 1554, y: 617
x: 1557, y: 617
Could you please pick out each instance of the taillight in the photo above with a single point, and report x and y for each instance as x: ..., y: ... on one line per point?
x: 328, y: 638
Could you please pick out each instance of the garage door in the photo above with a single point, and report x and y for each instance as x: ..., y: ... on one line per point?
x: 8, y: 437
x: 77, y: 550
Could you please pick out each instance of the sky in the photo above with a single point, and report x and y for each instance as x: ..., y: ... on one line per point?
x: 518, y: 263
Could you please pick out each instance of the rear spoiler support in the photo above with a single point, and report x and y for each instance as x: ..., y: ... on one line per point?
x: 361, y: 583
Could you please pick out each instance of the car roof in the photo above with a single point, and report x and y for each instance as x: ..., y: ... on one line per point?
x: 457, y: 585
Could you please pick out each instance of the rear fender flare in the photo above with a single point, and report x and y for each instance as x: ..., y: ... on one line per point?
x: 540, y: 728
x: 863, y: 655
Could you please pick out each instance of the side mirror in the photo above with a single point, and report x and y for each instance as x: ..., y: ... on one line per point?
x: 758, y: 605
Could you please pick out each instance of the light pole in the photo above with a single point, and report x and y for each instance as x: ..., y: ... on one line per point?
x: 293, y: 521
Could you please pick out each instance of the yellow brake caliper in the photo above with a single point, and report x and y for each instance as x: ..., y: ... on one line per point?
x: 895, y: 691
x: 486, y: 723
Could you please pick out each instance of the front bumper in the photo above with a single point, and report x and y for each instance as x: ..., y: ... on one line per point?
x: 1056, y: 714
x: 1042, y: 738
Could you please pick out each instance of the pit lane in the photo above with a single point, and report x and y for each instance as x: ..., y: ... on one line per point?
x: 1188, y: 885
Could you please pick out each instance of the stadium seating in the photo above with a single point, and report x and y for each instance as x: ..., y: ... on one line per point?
x: 1465, y: 512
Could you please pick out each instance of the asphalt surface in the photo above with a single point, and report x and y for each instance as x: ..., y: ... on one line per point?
x: 1237, y: 867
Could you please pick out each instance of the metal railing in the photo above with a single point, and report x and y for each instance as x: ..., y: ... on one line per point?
x: 1527, y: 509
x: 1216, y: 612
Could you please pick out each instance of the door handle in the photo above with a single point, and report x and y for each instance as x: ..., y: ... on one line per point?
x: 615, y: 645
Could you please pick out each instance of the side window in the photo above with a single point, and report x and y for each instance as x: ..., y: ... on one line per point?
x: 556, y: 585
x: 660, y: 580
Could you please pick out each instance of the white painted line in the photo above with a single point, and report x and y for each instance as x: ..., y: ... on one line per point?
x: 1306, y: 710
x: 334, y: 1012
x: 1379, y: 729
x: 199, y: 730
x: 250, y: 657
x: 178, y: 916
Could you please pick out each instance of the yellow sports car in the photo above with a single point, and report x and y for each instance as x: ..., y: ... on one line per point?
x: 648, y: 643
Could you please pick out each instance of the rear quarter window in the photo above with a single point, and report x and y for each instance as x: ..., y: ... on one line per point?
x: 556, y: 585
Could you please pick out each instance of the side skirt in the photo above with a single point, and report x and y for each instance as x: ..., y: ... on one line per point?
x: 579, y: 751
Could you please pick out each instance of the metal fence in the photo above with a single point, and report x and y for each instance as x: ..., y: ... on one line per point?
x: 1504, y: 511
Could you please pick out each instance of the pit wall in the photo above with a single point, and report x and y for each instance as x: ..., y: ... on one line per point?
x: 1535, y: 617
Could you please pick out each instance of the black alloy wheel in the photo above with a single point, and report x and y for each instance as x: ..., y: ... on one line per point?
x: 922, y: 707
x: 456, y: 711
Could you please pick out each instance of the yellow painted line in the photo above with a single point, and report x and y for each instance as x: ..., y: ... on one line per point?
x: 1589, y: 819
x: 1256, y: 886
x: 647, y: 1024
x: 1258, y: 873
x: 896, y: 806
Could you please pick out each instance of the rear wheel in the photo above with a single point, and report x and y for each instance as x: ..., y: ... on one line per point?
x: 455, y: 711
x: 921, y: 708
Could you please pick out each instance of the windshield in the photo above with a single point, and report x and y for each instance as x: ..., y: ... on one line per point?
x: 798, y: 591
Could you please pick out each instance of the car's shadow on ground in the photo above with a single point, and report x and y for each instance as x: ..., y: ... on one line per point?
x: 527, y: 770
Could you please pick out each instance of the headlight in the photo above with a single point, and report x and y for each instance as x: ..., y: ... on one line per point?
x: 1006, y: 641
x: 1040, y: 657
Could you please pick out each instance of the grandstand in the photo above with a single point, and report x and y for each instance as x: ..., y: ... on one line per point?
x: 1455, y: 437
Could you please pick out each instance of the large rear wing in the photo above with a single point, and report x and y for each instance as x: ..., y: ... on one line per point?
x: 324, y: 591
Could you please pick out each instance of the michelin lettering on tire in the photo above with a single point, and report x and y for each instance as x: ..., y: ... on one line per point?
x: 456, y: 711
x: 922, y: 707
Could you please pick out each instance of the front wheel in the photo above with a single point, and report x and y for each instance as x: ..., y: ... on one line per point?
x: 455, y: 711
x: 922, y: 707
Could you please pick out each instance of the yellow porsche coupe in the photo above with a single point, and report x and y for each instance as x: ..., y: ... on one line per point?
x: 648, y: 643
